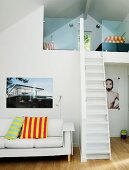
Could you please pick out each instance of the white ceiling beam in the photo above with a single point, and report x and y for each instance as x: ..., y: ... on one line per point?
x: 87, y: 7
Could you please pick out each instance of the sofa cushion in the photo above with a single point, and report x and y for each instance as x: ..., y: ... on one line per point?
x: 15, y: 128
x: 34, y: 127
x: 49, y: 142
x: 5, y: 124
x: 2, y: 142
x: 55, y: 127
x: 20, y: 143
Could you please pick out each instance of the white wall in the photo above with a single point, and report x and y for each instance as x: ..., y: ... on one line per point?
x: 63, y: 66
x: 22, y: 56
x: 119, y: 119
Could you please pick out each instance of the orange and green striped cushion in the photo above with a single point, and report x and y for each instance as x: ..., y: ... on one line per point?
x: 34, y: 127
x: 15, y: 128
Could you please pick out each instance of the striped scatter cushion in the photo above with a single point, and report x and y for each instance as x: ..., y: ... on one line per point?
x: 15, y: 128
x: 34, y: 127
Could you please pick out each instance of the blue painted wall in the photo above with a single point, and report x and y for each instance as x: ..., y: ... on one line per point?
x: 109, y: 28
x: 63, y: 32
x: 118, y: 28
x: 124, y: 28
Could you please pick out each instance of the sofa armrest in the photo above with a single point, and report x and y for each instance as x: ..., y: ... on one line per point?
x: 68, y: 127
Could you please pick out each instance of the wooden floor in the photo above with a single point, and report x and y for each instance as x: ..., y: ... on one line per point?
x: 120, y: 160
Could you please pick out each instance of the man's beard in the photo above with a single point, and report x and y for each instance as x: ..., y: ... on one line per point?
x: 109, y: 89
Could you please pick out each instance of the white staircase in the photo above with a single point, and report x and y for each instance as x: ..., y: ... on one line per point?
x: 97, y: 123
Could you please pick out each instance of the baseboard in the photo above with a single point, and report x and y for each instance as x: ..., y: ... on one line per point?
x: 83, y: 159
x: 76, y: 145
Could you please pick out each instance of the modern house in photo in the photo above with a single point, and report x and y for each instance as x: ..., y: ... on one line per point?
x: 64, y: 87
x: 29, y: 93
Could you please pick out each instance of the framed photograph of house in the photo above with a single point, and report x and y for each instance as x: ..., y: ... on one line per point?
x: 29, y: 92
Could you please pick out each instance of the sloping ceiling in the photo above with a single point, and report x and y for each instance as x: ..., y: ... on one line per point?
x: 64, y: 8
x: 116, y: 10
x: 12, y: 11
x: 98, y: 9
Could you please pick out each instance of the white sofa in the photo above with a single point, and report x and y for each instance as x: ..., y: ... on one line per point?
x: 58, y: 142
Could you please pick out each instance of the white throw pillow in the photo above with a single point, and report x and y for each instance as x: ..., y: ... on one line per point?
x: 55, y: 127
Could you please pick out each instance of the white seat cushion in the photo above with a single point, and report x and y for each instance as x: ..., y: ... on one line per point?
x: 49, y: 142
x: 2, y: 142
x: 55, y: 127
x: 20, y: 143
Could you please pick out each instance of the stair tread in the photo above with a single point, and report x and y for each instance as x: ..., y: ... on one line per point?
x: 97, y: 132
x: 96, y: 141
x: 97, y: 113
x: 95, y: 88
x: 94, y: 72
x: 93, y: 64
x: 93, y: 57
x: 91, y: 97
x: 98, y: 60
x: 98, y: 110
x: 95, y: 79
x: 98, y: 157
x: 97, y: 122
x: 98, y: 151
x: 96, y: 103
x: 97, y: 96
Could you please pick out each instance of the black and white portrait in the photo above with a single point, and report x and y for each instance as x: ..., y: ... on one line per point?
x: 112, y: 93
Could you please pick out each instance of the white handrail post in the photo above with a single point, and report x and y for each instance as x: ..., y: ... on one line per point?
x: 83, y: 93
